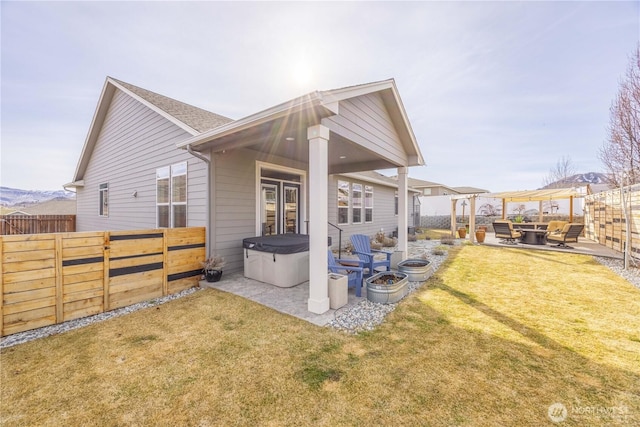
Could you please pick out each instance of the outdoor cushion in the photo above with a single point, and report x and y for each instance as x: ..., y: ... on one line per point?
x: 556, y: 226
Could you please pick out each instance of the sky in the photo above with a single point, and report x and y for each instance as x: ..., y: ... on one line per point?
x: 496, y: 92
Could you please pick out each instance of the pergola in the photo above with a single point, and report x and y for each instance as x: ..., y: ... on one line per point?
x: 513, y: 196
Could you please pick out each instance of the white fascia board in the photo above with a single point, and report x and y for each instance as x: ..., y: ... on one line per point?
x: 153, y: 107
x: 91, y: 137
x: 374, y: 181
x: 254, y: 119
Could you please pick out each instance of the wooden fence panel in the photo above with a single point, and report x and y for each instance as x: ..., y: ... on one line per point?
x: 605, y: 217
x: 28, y: 282
x: 36, y: 224
x: 82, y: 274
x: 51, y: 278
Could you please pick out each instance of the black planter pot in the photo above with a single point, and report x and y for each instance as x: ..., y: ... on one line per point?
x: 212, y: 275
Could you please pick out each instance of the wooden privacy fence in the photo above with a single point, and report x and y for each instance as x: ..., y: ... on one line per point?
x: 35, y: 224
x: 51, y: 278
x: 604, y: 219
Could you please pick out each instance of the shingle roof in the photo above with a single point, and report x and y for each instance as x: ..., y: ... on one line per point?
x: 194, y: 117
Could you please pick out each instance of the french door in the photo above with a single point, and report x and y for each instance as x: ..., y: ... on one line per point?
x: 279, y: 207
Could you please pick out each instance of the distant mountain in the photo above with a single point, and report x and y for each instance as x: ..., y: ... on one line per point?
x: 580, y: 178
x: 15, y: 197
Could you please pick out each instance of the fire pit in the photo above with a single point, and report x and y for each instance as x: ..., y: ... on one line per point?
x: 387, y: 287
x: 417, y: 269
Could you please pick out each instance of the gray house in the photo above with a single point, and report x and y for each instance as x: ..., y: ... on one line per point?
x: 151, y: 161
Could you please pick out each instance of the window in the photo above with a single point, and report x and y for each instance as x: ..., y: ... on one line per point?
x: 343, y: 202
x: 171, y: 196
x: 395, y: 200
x: 368, y: 203
x: 104, y: 200
x: 356, y: 201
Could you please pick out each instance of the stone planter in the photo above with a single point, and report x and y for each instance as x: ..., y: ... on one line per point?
x: 379, y: 289
x: 417, y: 270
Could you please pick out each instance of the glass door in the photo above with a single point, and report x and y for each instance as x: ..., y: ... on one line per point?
x: 291, y: 219
x: 269, y: 208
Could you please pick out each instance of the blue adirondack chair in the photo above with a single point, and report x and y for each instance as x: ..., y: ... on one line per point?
x: 362, y: 248
x: 353, y: 273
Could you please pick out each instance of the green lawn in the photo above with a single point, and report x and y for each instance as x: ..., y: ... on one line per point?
x: 495, y: 337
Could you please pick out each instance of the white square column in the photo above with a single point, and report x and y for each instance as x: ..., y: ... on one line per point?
x: 403, y: 212
x: 318, y: 137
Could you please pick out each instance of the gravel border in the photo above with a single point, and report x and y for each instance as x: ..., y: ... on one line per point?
x: 632, y: 275
x: 366, y: 315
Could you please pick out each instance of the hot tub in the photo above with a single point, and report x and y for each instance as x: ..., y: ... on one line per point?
x: 281, y: 260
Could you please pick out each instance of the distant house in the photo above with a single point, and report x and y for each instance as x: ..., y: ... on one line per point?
x: 428, y: 189
x: 151, y: 161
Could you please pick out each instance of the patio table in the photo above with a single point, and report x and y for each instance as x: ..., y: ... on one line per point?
x: 533, y: 237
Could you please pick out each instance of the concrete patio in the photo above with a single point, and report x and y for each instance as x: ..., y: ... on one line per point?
x: 584, y: 247
x: 293, y: 301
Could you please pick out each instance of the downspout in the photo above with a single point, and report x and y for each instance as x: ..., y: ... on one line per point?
x: 208, y: 201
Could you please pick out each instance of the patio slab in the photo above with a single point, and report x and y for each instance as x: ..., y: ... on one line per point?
x: 584, y: 247
x: 291, y: 300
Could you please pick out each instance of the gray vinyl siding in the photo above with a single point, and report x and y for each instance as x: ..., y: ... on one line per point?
x: 134, y: 141
x: 384, y: 216
x: 366, y: 121
x: 234, y: 210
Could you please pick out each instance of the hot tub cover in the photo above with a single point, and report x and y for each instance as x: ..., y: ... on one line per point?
x: 279, y: 243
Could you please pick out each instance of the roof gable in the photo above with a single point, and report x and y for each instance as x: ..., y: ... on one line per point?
x: 192, y: 119
x: 196, y: 118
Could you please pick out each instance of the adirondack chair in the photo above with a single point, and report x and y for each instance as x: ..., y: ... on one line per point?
x: 362, y: 248
x: 569, y: 233
x: 354, y: 274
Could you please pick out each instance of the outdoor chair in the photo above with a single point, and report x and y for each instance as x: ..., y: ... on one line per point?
x: 556, y: 226
x: 362, y: 248
x: 354, y: 273
x: 504, y: 230
x: 569, y: 233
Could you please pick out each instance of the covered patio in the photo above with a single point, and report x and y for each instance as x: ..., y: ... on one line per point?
x: 353, y: 129
x: 539, y: 196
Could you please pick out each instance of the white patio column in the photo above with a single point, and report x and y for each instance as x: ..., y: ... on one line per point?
x: 318, y: 137
x: 454, y: 221
x: 403, y: 213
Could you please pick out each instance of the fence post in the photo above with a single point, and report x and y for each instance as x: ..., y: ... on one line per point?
x: 165, y: 262
x: 105, y: 272
x: 59, y: 290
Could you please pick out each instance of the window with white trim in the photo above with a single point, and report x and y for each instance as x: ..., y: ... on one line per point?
x: 103, y: 209
x: 343, y: 202
x: 356, y: 203
x: 171, y: 196
x: 368, y: 203
x: 395, y: 201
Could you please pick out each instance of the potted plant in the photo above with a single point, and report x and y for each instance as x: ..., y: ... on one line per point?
x: 481, y: 233
x: 212, y: 268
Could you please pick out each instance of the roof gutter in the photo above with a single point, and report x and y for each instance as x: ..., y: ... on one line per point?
x: 209, y: 197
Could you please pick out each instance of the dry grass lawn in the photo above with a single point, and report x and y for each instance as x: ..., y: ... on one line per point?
x: 494, y: 338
